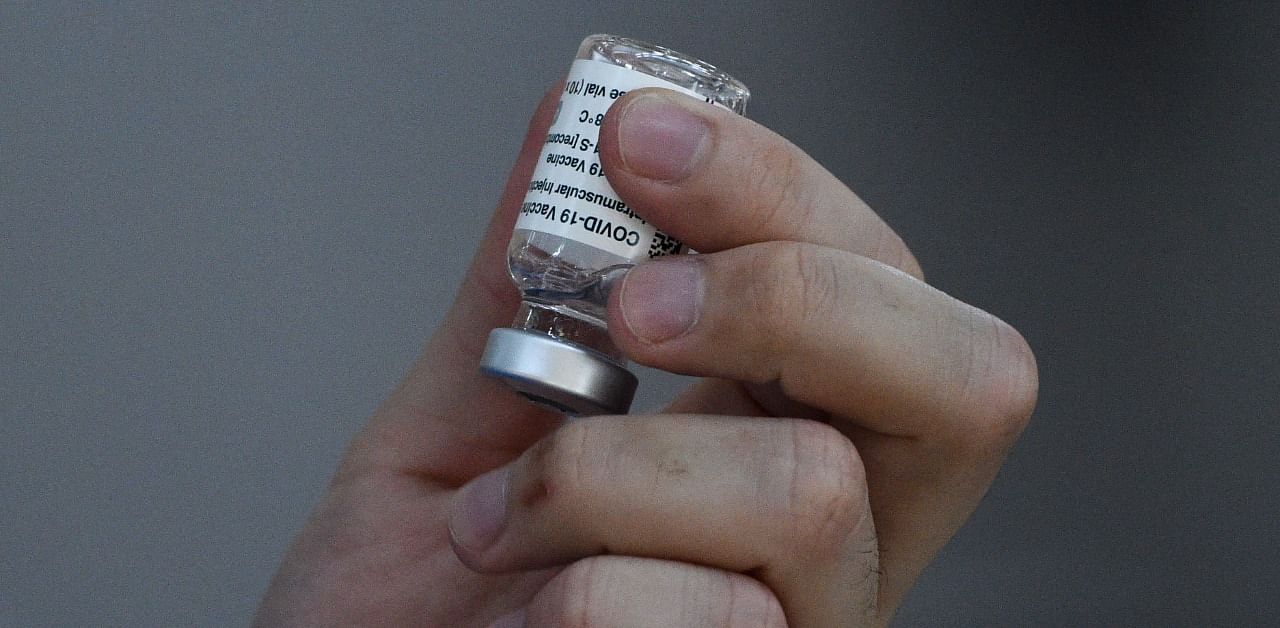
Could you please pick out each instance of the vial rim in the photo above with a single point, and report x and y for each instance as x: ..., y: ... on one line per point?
x: 574, y: 378
x: 703, y: 77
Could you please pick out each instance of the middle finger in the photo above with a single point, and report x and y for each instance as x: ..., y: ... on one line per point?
x: 836, y: 331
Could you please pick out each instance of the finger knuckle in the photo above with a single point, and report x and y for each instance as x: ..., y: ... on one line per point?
x: 828, y: 488
x: 791, y: 287
x: 565, y: 462
x: 779, y: 198
x: 1002, y: 385
x: 766, y: 298
x: 817, y: 283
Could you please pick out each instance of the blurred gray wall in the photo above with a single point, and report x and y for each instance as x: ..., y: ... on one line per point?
x: 226, y: 231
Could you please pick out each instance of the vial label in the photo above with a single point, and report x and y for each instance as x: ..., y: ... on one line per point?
x: 568, y: 195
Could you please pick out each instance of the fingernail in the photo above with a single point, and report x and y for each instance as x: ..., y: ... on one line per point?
x: 660, y: 136
x: 514, y: 620
x: 661, y: 300
x: 480, y: 510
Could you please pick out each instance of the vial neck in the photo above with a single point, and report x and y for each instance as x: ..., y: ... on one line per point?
x: 559, y: 323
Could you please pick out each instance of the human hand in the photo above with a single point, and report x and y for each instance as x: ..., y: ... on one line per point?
x: 850, y: 419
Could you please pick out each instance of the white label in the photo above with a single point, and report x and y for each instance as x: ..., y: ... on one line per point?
x: 569, y: 195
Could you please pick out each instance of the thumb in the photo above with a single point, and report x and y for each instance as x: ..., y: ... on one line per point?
x: 445, y: 421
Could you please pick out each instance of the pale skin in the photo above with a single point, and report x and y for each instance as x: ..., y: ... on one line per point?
x: 849, y: 419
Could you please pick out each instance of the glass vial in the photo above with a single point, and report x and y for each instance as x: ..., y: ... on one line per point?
x: 574, y: 236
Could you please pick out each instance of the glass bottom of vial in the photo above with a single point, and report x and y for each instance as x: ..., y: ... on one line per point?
x: 560, y: 323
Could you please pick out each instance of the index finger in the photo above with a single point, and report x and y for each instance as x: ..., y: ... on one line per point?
x: 716, y: 180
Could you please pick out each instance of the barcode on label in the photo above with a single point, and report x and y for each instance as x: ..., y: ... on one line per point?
x: 663, y: 244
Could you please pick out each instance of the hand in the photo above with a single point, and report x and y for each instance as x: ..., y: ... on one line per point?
x: 850, y: 419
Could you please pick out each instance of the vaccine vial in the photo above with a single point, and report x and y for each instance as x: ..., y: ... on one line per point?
x: 575, y: 238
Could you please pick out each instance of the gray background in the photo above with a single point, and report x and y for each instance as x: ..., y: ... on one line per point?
x: 225, y: 232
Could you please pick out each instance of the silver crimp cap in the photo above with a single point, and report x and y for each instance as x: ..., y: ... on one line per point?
x: 564, y: 376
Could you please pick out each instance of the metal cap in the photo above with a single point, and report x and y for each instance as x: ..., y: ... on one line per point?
x: 564, y: 376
